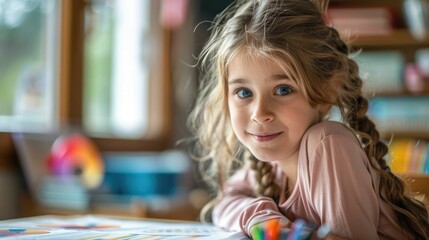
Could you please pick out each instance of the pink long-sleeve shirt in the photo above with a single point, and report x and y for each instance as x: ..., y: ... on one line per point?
x: 336, y: 185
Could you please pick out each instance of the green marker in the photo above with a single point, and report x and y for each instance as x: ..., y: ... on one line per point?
x: 257, y: 233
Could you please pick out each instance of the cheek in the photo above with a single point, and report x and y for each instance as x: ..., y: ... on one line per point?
x: 301, y: 118
x: 237, y: 117
x: 315, y: 116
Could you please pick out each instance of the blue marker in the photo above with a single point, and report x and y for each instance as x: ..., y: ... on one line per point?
x: 297, y: 228
x: 284, y: 233
x: 323, y: 232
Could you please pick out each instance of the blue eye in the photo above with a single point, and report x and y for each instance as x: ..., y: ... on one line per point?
x: 283, y: 90
x: 243, y: 93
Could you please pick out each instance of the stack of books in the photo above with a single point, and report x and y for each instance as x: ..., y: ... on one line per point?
x: 362, y: 21
x: 400, y: 115
x: 409, y: 156
x: 381, y: 71
x: 63, y: 193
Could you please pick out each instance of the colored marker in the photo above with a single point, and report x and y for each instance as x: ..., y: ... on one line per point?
x: 284, y: 233
x: 297, y: 228
x: 257, y: 233
x: 323, y: 232
x: 308, y: 230
x: 272, y: 230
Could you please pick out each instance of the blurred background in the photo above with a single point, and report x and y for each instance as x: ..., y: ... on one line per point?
x: 94, y: 96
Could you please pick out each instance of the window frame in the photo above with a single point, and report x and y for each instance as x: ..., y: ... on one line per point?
x: 70, y: 89
x: 72, y: 84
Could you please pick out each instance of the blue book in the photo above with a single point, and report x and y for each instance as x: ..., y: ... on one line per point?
x: 400, y: 114
x: 426, y: 161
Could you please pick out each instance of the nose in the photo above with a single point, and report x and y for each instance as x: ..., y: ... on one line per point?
x: 262, y: 112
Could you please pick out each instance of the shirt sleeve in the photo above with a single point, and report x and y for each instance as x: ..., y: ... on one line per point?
x: 342, y: 187
x: 239, y: 209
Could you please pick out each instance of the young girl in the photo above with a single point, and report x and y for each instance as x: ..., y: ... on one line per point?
x: 274, y: 69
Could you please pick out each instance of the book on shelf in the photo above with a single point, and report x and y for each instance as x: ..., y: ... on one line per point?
x: 362, y: 21
x: 381, y: 71
x: 405, y: 114
x: 416, y: 17
x: 409, y: 156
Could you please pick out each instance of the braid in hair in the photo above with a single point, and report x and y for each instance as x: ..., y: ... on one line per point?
x: 412, y: 214
x: 265, y: 178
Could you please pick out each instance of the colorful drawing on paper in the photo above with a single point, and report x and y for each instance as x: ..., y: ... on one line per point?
x: 102, y: 228
x: 88, y: 226
x: 16, y: 232
x: 181, y: 231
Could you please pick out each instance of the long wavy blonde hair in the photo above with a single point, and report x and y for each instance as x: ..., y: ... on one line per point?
x: 295, y: 32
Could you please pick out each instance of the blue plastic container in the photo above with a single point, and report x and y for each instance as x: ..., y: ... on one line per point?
x: 145, y: 174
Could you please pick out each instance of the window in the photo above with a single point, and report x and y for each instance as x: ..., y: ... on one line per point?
x: 122, y: 54
x: 100, y: 66
x: 29, y: 33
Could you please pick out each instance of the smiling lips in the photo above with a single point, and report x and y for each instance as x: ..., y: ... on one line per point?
x: 265, y: 137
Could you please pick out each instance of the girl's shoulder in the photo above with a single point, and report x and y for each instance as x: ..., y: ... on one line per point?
x: 324, y: 129
x: 327, y: 128
x: 334, y: 141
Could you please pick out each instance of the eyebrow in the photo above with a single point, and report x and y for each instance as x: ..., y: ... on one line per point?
x: 236, y: 80
x: 280, y: 77
x: 276, y: 77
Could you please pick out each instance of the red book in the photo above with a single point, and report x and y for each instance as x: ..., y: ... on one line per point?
x: 362, y: 21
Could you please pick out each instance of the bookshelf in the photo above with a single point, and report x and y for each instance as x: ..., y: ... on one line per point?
x: 399, y: 38
x: 404, y: 107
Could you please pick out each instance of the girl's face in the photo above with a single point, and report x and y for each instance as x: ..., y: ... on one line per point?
x: 268, y: 111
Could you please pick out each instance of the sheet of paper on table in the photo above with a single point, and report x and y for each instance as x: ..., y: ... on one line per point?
x: 103, y: 227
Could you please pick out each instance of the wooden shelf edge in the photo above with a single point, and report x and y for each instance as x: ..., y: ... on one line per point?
x: 401, y: 37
